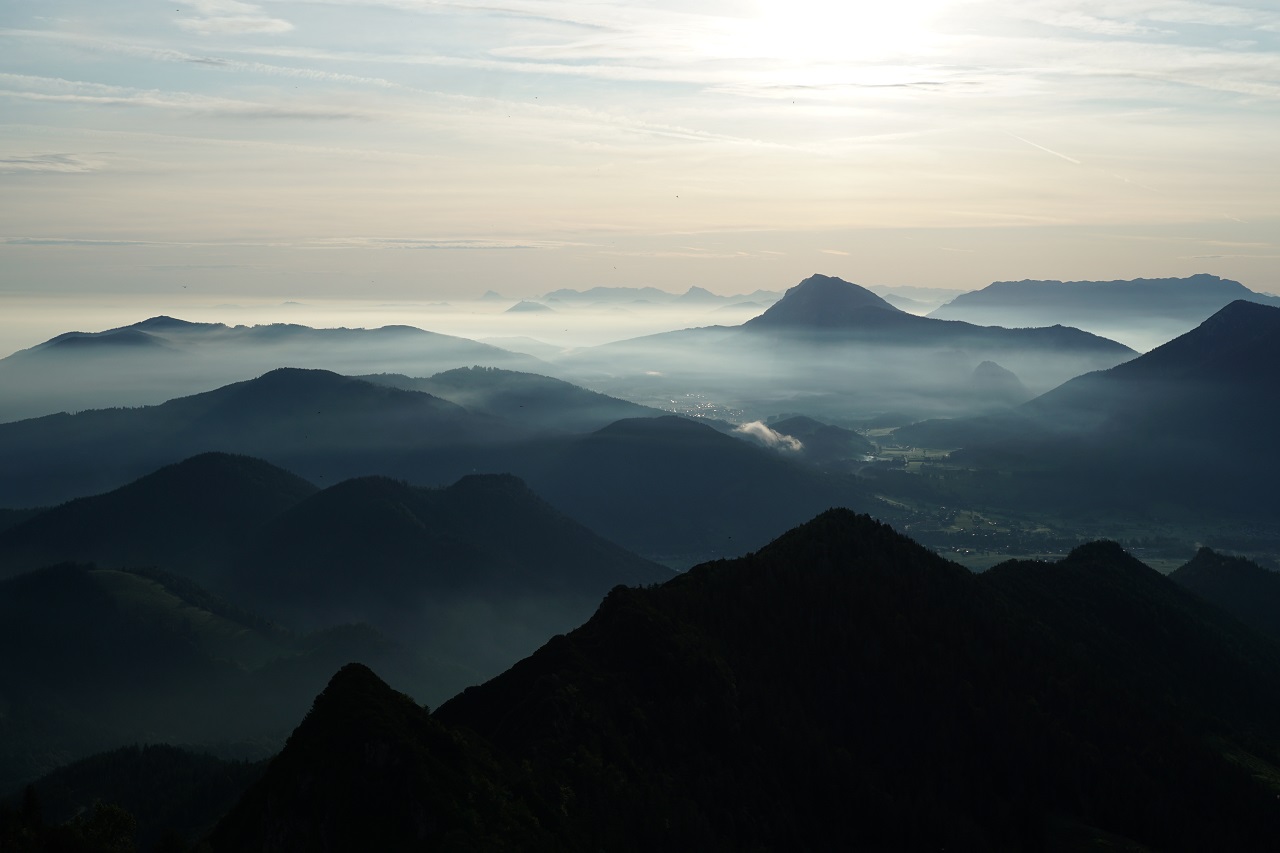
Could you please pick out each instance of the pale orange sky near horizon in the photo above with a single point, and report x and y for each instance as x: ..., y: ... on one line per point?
x: 396, y: 149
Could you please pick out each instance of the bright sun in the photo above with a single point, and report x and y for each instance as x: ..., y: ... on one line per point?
x: 834, y: 30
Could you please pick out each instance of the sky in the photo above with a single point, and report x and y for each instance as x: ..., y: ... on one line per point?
x: 218, y: 151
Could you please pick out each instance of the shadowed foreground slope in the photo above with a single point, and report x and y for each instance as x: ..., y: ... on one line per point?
x: 843, y: 688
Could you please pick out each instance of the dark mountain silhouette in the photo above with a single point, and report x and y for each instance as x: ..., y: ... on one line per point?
x: 163, y: 357
x: 101, y: 342
x: 1240, y: 587
x: 824, y: 444
x: 1186, y: 425
x: 676, y: 489
x: 528, y: 399
x: 823, y: 309
x: 477, y: 574
x: 93, y: 659
x: 193, y: 516
x: 324, y: 426
x: 833, y: 349
x: 841, y: 688
x: 821, y: 301
x: 174, y: 794
x: 1161, y: 306
x: 368, y: 769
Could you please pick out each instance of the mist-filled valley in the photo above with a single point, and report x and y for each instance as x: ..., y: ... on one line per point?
x: 824, y: 566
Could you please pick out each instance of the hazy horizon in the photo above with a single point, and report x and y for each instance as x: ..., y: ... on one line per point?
x: 394, y: 150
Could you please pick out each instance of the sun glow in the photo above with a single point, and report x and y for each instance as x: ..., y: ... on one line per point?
x: 839, y: 30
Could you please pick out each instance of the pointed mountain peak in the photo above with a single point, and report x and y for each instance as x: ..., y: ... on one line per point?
x: 368, y: 769
x: 1245, y: 311
x: 699, y: 294
x: 821, y: 301
x: 163, y: 323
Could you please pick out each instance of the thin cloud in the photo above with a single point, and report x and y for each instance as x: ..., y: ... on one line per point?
x: 59, y: 90
x: 231, y: 17
x: 1047, y: 150
x: 57, y: 163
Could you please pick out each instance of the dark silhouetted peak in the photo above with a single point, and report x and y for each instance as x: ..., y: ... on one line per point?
x: 368, y: 769
x: 823, y: 442
x: 165, y: 323
x: 1243, y: 314
x: 354, y: 688
x: 183, y: 516
x: 1241, y: 340
x: 797, y: 425
x: 843, y: 532
x: 1237, y: 585
x: 299, y: 376
x: 822, y: 301
x: 1101, y: 551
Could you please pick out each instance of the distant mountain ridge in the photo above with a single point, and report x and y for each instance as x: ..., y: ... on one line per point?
x: 845, y: 352
x: 164, y: 357
x: 325, y: 426
x: 1164, y: 307
x: 475, y: 574
x: 192, y: 515
x: 821, y: 301
x: 1172, y: 427
x: 622, y: 295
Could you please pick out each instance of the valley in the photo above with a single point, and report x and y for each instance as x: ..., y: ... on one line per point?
x: 545, y: 558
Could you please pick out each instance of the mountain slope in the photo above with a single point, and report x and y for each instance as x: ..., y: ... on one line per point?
x: 842, y: 688
x: 321, y: 425
x: 170, y: 791
x: 821, y: 301
x: 370, y: 770
x: 1240, y: 587
x: 672, y: 487
x: 476, y: 574
x: 162, y: 357
x: 191, y: 516
x: 94, y: 659
x: 1171, y: 427
x: 534, y: 401
x: 832, y: 349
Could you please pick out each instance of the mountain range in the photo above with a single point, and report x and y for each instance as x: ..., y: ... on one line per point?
x: 93, y: 659
x: 692, y: 492
x: 1186, y: 426
x: 840, y: 350
x: 163, y: 357
x: 1144, y: 311
x: 841, y: 688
